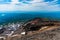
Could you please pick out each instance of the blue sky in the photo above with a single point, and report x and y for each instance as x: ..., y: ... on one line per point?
x: 30, y: 5
x: 48, y: 6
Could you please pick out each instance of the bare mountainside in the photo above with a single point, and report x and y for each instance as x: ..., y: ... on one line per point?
x: 46, y: 30
x: 35, y: 29
x: 52, y: 33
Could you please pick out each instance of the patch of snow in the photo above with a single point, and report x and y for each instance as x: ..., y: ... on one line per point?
x: 23, y: 33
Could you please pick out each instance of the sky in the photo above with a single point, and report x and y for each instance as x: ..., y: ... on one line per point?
x: 29, y: 5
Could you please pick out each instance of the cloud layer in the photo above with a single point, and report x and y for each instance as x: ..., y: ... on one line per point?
x: 35, y: 5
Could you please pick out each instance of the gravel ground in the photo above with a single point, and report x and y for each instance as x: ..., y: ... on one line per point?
x: 47, y: 35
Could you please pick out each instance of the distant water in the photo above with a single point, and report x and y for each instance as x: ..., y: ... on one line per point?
x: 24, y: 16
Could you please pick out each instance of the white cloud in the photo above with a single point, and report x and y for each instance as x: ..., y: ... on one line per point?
x: 35, y: 5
